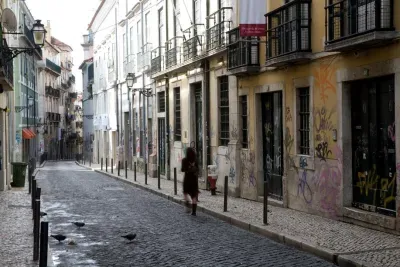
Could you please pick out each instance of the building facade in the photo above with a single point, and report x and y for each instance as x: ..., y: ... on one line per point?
x: 308, y: 110
x: 87, y: 69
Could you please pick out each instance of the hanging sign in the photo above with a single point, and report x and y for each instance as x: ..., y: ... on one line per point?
x: 252, y: 20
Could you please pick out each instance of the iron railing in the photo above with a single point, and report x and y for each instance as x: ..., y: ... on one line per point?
x: 193, y: 41
x: 50, y: 91
x: 218, y: 24
x: 173, y: 54
x: 53, y: 117
x: 157, y: 61
x: 242, y: 51
x: 144, y: 59
x: 349, y: 18
x: 289, y: 29
x: 53, y: 66
x: 7, y: 64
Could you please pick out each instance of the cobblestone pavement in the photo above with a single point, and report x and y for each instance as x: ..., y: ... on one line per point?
x: 166, y: 236
x: 364, y: 246
x: 16, y: 225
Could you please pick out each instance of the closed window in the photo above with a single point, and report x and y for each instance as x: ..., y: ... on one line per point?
x: 161, y: 102
x: 243, y: 102
x: 177, y: 105
x: 224, y: 110
x: 304, y: 120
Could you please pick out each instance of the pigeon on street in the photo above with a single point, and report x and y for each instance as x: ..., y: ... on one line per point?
x: 79, y: 224
x: 59, y: 237
x: 42, y: 213
x: 130, y: 237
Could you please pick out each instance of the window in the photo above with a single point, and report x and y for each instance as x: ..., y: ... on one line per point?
x: 304, y: 120
x: 177, y: 105
x: 161, y: 102
x: 147, y: 28
x: 177, y: 17
x: 161, y: 36
x: 138, y: 36
x: 243, y: 102
x: 197, y: 11
x: 132, y: 36
x: 224, y: 110
x: 124, y: 47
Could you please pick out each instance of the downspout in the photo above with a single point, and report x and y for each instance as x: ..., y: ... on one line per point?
x: 168, y: 131
x: 144, y: 97
x: 130, y: 138
x: 116, y: 73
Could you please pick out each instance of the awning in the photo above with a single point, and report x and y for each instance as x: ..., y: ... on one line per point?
x: 27, y: 133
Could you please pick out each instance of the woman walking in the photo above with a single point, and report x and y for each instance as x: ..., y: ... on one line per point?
x: 190, y: 179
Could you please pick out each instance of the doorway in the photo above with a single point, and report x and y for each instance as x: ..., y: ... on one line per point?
x: 197, y: 144
x: 161, y: 145
x: 272, y: 132
x: 373, y: 145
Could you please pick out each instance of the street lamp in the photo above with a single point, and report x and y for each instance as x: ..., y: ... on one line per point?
x: 146, y: 92
x: 18, y: 109
x: 39, y: 35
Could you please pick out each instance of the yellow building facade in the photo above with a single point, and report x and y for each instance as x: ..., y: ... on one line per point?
x: 312, y: 106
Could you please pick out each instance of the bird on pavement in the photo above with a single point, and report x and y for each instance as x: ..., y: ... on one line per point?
x: 59, y: 237
x: 42, y: 213
x: 79, y: 224
x: 130, y: 237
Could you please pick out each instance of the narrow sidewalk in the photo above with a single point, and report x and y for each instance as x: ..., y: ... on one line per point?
x: 16, y: 226
x: 338, y: 242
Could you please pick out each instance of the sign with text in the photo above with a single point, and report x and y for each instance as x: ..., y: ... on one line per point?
x: 252, y: 20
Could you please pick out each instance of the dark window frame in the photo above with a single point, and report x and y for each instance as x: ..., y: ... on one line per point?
x: 177, y: 113
x: 161, y: 101
x: 304, y: 116
x: 224, y: 130
x: 245, y: 121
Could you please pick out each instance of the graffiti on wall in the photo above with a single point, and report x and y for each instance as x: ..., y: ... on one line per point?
x: 323, y: 123
x: 234, y: 132
x: 288, y: 115
x: 303, y: 187
x: 323, y: 77
x: 247, y: 160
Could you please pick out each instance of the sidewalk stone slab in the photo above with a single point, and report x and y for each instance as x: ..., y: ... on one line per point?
x: 326, y: 238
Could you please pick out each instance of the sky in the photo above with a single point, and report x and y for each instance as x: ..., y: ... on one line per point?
x: 69, y: 20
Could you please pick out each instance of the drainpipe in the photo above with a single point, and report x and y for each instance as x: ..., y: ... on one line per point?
x: 168, y: 148
x: 130, y: 138
x: 116, y: 72
x: 144, y: 97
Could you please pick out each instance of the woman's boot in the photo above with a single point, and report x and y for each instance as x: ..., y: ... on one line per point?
x: 194, y: 207
x: 187, y: 206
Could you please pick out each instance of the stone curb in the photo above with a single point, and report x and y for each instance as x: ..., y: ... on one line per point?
x: 324, y: 253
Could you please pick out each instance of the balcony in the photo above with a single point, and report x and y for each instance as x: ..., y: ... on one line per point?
x: 130, y: 64
x: 50, y: 91
x: 6, y: 71
x: 73, y: 95
x: 289, y: 34
x: 144, y: 59
x: 87, y: 40
x: 193, y: 41
x: 53, y: 117
x: 72, y: 79
x: 29, y: 37
x: 357, y: 24
x: 53, y: 67
x: 157, y: 60
x: 220, y: 22
x: 243, y: 54
x: 90, y: 73
x: 173, y: 53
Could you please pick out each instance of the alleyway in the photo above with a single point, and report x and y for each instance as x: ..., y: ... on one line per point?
x: 166, y: 236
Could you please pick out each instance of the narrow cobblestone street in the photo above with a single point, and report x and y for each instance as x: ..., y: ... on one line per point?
x: 166, y: 236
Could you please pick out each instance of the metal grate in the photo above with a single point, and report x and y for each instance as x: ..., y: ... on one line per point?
x: 289, y: 29
x: 243, y: 101
x: 177, y: 99
x: 221, y: 23
x: 348, y: 18
x: 224, y: 110
x: 161, y: 102
x: 242, y: 52
x: 156, y: 60
x: 304, y: 123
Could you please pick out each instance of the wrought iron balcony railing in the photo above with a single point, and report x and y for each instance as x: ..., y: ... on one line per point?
x: 193, y: 41
x: 157, y: 59
x: 144, y: 59
x: 219, y: 23
x: 53, y: 66
x: 350, y: 18
x: 289, y: 29
x: 50, y: 91
x: 53, y: 117
x: 6, y: 67
x: 242, y: 52
x: 173, y: 53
